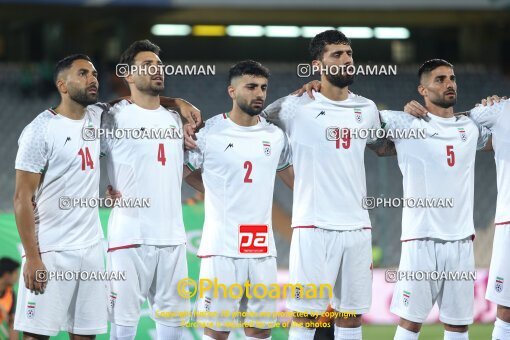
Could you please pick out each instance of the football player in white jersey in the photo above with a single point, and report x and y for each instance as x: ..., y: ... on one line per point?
x: 238, y: 155
x: 149, y: 244
x: 54, y: 161
x: 331, y: 241
x: 495, y: 117
x: 437, y: 238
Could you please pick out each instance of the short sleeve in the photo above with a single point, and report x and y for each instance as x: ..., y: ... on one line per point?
x: 194, y: 159
x: 109, y: 123
x: 396, y: 120
x: 376, y: 124
x: 33, y: 146
x: 489, y: 115
x: 286, y: 155
x: 483, y: 137
x: 281, y: 111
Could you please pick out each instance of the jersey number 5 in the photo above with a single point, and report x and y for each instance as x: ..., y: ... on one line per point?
x: 450, y: 155
x: 86, y: 159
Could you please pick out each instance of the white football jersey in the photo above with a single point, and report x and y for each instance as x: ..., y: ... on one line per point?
x: 497, y: 119
x: 144, y: 168
x: 53, y: 146
x: 439, y: 168
x: 329, y: 183
x: 238, y: 165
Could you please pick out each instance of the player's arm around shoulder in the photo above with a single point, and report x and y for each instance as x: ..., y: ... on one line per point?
x: 382, y: 147
x: 194, y: 156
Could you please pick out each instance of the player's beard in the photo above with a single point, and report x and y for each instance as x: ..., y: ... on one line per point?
x: 82, y: 96
x: 246, y: 107
x: 444, y: 102
x: 340, y: 80
x: 149, y: 87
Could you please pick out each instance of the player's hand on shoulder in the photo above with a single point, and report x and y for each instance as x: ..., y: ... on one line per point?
x: 416, y: 109
x: 112, y: 194
x: 190, y: 112
x: 490, y: 100
x: 314, y: 85
x: 35, y: 275
x: 189, y: 137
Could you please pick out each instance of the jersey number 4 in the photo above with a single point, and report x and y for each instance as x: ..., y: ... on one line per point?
x: 86, y: 159
x: 161, y: 154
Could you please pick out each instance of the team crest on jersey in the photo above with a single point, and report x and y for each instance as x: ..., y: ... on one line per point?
x: 357, y: 115
x: 405, y: 298
x: 297, y: 292
x: 267, y: 148
x: 207, y: 304
x: 113, y: 297
x: 499, y: 284
x: 30, y: 310
x: 463, y: 135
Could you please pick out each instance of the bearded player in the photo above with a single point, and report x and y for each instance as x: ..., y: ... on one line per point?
x: 238, y: 154
x: 331, y: 241
x: 146, y: 243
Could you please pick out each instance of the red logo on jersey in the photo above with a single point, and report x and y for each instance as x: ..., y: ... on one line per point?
x: 253, y: 238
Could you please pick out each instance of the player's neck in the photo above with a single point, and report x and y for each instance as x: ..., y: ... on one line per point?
x: 440, y: 111
x: 242, y: 118
x: 332, y: 92
x: 144, y: 100
x: 70, y: 109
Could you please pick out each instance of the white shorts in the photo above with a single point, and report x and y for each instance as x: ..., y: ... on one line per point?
x: 497, y: 291
x: 340, y: 260
x: 218, y: 310
x: 73, y: 305
x: 413, y: 299
x: 152, y: 273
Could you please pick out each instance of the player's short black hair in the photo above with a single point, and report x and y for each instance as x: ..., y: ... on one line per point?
x: 249, y: 67
x: 128, y: 56
x: 8, y: 265
x: 66, y: 63
x: 431, y: 65
x: 319, y: 42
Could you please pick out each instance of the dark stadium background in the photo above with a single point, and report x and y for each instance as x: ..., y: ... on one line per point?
x: 472, y: 34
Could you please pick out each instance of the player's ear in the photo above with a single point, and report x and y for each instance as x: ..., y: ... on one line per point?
x: 231, y: 91
x: 422, y: 90
x: 61, y: 85
x: 316, y: 63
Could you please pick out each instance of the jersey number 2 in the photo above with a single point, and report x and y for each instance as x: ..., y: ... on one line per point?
x: 86, y: 159
x: 248, y: 166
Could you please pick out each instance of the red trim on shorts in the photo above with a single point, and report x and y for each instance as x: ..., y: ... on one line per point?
x: 369, y: 228
x: 204, y: 256
x: 39, y: 253
x: 412, y: 239
x: 502, y: 223
x: 123, y: 247
x: 305, y: 227
x: 421, y: 238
